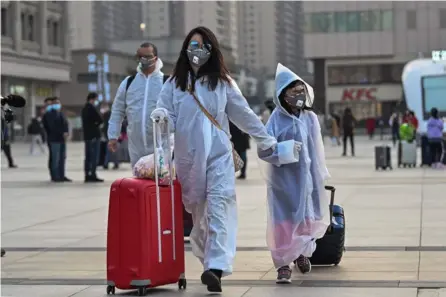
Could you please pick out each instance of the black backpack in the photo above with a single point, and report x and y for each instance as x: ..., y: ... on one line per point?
x: 131, y: 78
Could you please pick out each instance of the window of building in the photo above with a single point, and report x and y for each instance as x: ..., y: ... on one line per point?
x: 56, y: 33
x: 369, y: 21
x: 322, y: 22
x: 375, y: 74
x: 411, y: 19
x: 48, y: 31
x: 23, y: 24
x: 386, y: 20
x: 53, y: 32
x: 353, y: 21
x: 443, y: 18
x: 4, y: 21
x: 396, y: 70
x: 341, y: 21
x: 31, y: 28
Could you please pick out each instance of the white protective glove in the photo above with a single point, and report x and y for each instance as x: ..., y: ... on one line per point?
x: 159, y: 114
x: 288, y: 151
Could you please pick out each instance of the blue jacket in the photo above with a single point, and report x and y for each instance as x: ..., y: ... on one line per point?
x: 55, y: 124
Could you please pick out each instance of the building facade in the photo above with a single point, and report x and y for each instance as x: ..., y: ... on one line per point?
x: 35, y: 54
x: 359, y: 49
x: 94, y: 24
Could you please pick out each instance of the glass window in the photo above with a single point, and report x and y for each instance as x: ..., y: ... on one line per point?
x: 341, y: 21
x: 322, y: 22
x: 48, y: 32
x: 55, y: 33
x: 31, y: 27
x: 369, y: 21
x: 4, y: 21
x: 336, y: 76
x: 353, y: 21
x: 375, y: 74
x: 443, y: 18
x: 396, y: 70
x: 386, y: 20
x: 411, y: 19
x: 307, y: 23
x: 23, y: 23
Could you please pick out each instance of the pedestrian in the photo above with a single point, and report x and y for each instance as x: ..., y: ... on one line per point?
x: 198, y: 99
x: 91, y: 120
x: 371, y: 125
x: 241, y: 145
x: 109, y: 155
x: 136, y: 99
x: 6, y: 144
x: 47, y: 108
x: 298, y: 211
x: 333, y: 127
x: 348, y: 127
x: 394, y: 123
x: 435, y: 126
x: 56, y: 127
x: 268, y: 111
x: 35, y: 132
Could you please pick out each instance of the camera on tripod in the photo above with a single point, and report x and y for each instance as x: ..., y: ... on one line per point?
x: 14, y: 101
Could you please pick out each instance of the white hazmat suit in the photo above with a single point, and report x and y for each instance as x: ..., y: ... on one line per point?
x: 137, y: 103
x: 298, y: 211
x: 204, y: 164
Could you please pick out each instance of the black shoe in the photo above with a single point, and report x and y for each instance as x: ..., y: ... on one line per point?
x: 116, y: 167
x: 97, y: 180
x: 211, y: 280
x: 67, y: 180
x: 93, y: 179
x: 54, y: 180
x: 242, y: 176
x: 12, y: 166
x: 344, y: 154
x: 105, y: 167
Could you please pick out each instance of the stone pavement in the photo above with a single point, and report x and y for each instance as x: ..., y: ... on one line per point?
x: 55, y: 234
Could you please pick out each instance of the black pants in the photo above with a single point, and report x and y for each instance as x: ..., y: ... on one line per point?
x: 7, y: 150
x: 352, y: 143
x: 91, y: 157
x: 436, y: 150
x: 49, y: 160
x: 58, y: 151
x: 244, y: 158
x: 395, y: 136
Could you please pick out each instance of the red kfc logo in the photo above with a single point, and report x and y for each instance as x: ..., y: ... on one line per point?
x: 359, y: 94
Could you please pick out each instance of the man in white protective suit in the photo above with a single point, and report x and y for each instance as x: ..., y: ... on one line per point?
x: 203, y: 151
x: 136, y: 98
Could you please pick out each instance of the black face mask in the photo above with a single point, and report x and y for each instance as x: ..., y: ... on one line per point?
x: 297, y: 100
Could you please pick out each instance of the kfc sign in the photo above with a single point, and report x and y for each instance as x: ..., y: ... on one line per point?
x: 356, y: 94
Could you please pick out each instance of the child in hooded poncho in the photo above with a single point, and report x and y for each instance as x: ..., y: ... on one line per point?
x: 298, y: 205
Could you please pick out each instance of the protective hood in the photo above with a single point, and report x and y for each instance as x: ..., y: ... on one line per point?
x: 284, y: 77
x: 159, y: 64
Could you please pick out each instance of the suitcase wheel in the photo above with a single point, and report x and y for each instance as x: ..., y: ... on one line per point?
x: 142, y: 291
x: 182, y: 284
x: 110, y: 290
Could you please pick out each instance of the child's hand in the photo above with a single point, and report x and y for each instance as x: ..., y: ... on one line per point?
x: 297, y: 146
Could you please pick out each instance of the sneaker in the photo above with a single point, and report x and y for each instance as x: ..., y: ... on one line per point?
x: 212, y: 281
x: 284, y: 275
x: 303, y: 264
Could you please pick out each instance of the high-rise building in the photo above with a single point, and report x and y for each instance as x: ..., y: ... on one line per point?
x: 174, y: 19
x: 359, y: 50
x: 270, y: 32
x: 35, y: 54
x: 94, y: 24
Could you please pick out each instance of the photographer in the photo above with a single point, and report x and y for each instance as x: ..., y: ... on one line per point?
x: 6, y: 145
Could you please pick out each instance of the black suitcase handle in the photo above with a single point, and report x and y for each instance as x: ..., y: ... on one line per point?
x: 332, y: 195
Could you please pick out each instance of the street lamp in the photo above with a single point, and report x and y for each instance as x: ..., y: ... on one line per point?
x: 142, y: 27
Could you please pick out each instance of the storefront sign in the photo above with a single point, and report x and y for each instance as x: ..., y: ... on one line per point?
x: 357, y: 94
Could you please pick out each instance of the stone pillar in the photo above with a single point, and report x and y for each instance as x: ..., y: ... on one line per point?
x: 17, y: 26
x: 43, y: 13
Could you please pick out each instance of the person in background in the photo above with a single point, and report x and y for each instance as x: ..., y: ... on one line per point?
x: 6, y: 145
x: 241, y: 145
x: 348, y: 127
x: 394, y: 123
x: 370, y: 126
x: 411, y: 119
x: 109, y: 155
x: 35, y: 131
x: 269, y: 104
x: 47, y: 108
x: 435, y: 126
x: 136, y: 101
x: 56, y: 126
x: 91, y: 120
x: 333, y: 128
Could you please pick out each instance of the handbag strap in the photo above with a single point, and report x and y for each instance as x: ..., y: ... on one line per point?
x: 204, y: 110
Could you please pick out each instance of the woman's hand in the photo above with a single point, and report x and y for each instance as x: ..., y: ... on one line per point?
x: 159, y: 114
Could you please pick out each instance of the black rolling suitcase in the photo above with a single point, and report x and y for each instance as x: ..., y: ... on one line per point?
x: 330, y: 248
x: 383, y: 157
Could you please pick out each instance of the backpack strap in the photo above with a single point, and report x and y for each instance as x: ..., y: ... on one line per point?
x: 129, y: 82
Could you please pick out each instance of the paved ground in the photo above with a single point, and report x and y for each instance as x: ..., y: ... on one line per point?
x: 396, y: 240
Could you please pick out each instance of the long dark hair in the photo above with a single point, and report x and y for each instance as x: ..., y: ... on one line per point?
x: 434, y: 113
x: 215, y: 68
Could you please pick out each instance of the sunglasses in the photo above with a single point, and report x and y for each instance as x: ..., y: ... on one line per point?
x: 196, y: 45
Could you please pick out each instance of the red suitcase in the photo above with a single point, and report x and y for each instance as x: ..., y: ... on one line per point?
x: 145, y: 242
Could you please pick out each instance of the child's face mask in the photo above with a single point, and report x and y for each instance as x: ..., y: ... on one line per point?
x: 296, y: 96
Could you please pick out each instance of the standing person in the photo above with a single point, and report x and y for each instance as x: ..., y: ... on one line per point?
x: 298, y: 211
x: 333, y: 127
x: 109, y: 155
x: 268, y: 111
x: 394, y: 123
x: 6, y: 144
x: 435, y: 126
x: 91, y: 120
x: 348, y: 127
x: 136, y: 98
x: 241, y: 145
x: 35, y: 131
x: 46, y: 115
x: 371, y: 125
x: 56, y: 126
x: 201, y: 89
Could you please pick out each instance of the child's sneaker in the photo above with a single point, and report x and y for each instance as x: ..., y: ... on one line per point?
x: 284, y: 275
x: 303, y: 264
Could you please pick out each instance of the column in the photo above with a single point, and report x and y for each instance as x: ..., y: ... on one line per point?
x: 43, y: 13
x: 32, y: 99
x: 17, y: 26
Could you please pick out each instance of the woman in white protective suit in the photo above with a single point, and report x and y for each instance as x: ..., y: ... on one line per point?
x: 203, y: 152
x: 297, y: 201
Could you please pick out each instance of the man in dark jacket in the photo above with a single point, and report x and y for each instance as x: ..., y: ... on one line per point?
x: 241, y: 145
x: 91, y: 121
x: 56, y: 127
x: 348, y: 127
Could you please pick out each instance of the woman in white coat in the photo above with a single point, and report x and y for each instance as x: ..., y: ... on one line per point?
x: 203, y: 151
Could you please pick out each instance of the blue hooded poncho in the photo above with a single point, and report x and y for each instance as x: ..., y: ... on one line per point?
x: 298, y: 206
